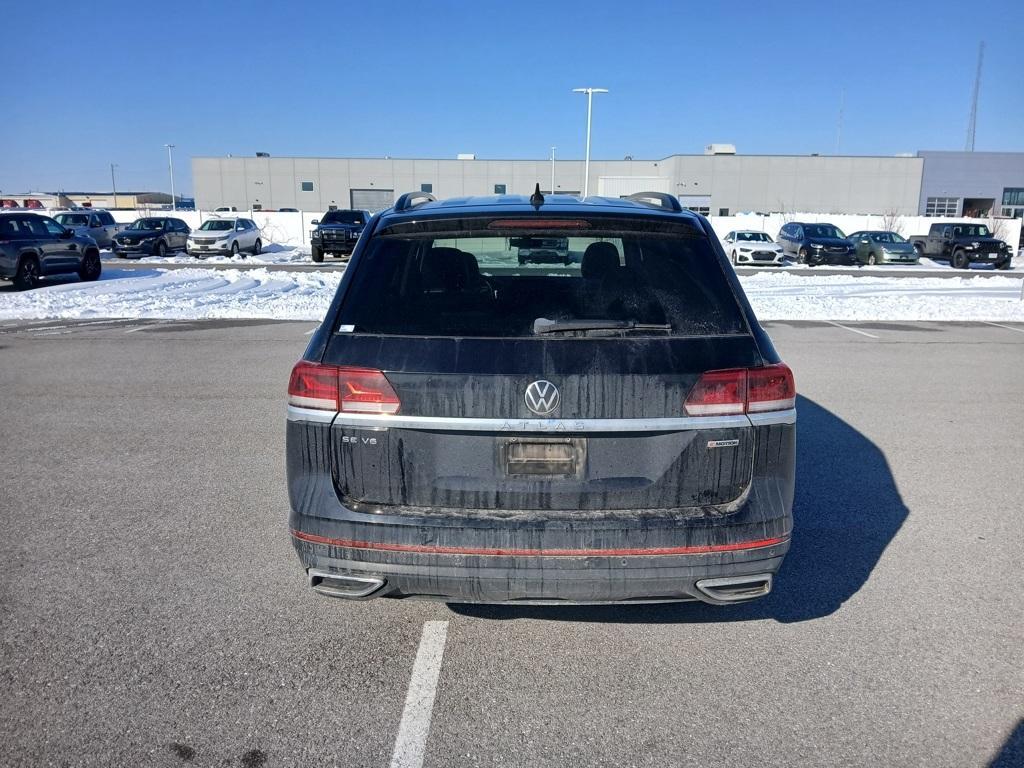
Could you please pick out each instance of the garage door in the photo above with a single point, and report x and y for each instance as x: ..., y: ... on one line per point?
x: 372, y: 200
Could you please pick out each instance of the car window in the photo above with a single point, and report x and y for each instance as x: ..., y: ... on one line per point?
x: 217, y: 225
x: 414, y: 281
x: 52, y: 228
x: 73, y: 219
x: 354, y: 218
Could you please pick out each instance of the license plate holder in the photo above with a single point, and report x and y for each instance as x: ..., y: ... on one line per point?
x: 544, y: 457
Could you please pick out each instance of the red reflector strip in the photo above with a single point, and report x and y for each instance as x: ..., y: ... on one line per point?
x: 430, y: 549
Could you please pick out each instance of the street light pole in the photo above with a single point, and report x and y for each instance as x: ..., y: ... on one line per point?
x: 170, y: 167
x: 553, y: 169
x: 590, y: 105
x: 113, y: 182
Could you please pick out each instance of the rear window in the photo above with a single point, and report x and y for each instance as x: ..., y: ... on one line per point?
x: 582, y: 278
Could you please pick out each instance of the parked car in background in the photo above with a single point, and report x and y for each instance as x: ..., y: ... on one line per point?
x: 337, y: 233
x: 226, y: 237
x: 881, y: 247
x: 542, y: 250
x: 225, y: 209
x: 99, y: 225
x: 152, y: 236
x: 288, y: 210
x: 33, y: 246
x: 466, y: 429
x: 814, y: 244
x: 745, y: 246
x: 963, y: 244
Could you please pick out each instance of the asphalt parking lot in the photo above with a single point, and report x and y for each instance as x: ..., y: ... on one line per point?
x: 152, y: 611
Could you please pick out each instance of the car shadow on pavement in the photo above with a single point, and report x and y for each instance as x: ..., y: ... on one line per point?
x: 1011, y: 754
x: 846, y: 511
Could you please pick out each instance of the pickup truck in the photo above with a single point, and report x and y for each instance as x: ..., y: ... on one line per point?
x: 337, y: 233
x: 99, y: 225
x: 963, y: 244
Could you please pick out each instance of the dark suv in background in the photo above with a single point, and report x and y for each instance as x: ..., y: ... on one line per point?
x: 152, y: 236
x: 814, y: 244
x: 337, y: 233
x: 467, y: 428
x: 33, y: 246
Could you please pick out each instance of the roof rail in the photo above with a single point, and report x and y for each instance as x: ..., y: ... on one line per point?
x: 412, y: 199
x: 662, y: 200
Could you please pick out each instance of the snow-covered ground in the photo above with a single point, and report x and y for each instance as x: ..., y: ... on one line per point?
x: 285, y: 295
x: 272, y: 254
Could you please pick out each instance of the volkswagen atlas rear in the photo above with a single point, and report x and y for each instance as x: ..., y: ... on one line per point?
x: 471, y: 426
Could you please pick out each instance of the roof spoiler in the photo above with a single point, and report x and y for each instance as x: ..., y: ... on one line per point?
x: 410, y: 200
x: 662, y: 200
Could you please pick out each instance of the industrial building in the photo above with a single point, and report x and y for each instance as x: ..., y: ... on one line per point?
x: 109, y: 200
x: 718, y: 183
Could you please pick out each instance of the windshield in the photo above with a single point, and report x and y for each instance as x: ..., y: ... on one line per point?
x: 73, y: 219
x: 617, y: 278
x: 343, y: 217
x: 151, y: 225
x: 887, y: 237
x: 754, y: 237
x: 823, y: 231
x: 971, y: 230
x: 218, y: 225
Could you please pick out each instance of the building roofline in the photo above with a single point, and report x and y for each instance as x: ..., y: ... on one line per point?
x: 546, y: 159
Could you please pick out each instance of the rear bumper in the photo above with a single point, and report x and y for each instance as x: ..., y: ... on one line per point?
x: 721, y: 577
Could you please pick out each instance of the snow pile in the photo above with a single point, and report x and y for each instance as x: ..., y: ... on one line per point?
x: 781, y: 296
x: 181, y: 294
x: 272, y: 254
x: 189, y: 294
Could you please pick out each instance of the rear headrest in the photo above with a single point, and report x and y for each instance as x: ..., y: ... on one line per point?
x: 599, y: 260
x: 444, y: 270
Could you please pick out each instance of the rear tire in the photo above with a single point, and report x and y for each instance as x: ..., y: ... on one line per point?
x: 919, y: 250
x: 318, y: 254
x: 28, y: 274
x: 959, y: 259
x: 90, y: 268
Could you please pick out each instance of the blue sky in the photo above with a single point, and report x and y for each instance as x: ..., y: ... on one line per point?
x: 104, y: 82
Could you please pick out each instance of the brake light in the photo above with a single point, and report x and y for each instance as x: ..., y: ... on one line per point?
x: 539, y: 224
x: 742, y: 390
x: 341, y: 388
x: 771, y: 388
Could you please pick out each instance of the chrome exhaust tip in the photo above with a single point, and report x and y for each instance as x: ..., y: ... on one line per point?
x: 734, y: 589
x: 343, y: 585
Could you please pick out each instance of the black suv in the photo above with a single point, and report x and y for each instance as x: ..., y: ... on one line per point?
x: 467, y: 428
x: 337, y: 233
x: 152, y: 236
x: 32, y: 246
x: 814, y: 244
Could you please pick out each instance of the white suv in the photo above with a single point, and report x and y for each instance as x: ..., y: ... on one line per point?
x: 225, y: 237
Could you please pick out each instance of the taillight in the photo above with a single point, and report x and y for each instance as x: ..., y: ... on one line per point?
x: 341, y: 388
x: 770, y: 388
x: 742, y: 390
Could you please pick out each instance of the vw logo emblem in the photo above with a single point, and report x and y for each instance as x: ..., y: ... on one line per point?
x: 542, y: 397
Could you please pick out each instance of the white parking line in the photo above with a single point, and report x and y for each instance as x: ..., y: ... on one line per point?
x: 852, y: 330
x: 1007, y: 327
x: 310, y: 333
x: 411, y: 742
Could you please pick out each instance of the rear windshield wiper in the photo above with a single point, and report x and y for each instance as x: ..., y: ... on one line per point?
x: 543, y: 325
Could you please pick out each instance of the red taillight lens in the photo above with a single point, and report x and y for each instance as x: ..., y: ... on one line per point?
x: 771, y: 388
x: 339, y: 388
x: 742, y: 390
x: 718, y: 393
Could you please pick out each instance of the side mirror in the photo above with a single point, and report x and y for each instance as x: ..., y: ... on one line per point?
x: 67, y: 234
x: 314, y: 222
x: 865, y: 241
